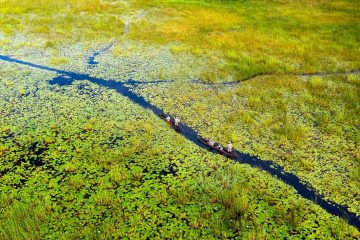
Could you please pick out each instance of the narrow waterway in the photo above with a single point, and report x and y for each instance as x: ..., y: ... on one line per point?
x: 306, y: 75
x: 92, y: 61
x: 67, y: 78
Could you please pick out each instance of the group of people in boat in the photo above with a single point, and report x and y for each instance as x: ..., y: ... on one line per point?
x: 176, y: 121
x: 211, y: 143
x: 218, y: 146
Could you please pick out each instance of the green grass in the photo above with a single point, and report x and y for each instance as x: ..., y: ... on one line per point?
x: 309, y: 126
x: 259, y: 36
x: 106, y: 182
x: 53, y: 23
x: 23, y: 220
x: 104, y: 158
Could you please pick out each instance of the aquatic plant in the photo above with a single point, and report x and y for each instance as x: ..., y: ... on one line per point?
x: 285, y: 119
x: 115, y: 181
x: 82, y: 161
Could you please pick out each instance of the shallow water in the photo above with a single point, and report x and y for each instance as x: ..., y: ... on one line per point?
x: 303, y: 189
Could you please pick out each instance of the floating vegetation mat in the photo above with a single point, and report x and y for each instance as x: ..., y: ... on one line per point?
x: 82, y: 160
x: 308, y: 126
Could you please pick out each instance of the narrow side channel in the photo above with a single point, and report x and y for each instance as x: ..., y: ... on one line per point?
x: 190, y: 134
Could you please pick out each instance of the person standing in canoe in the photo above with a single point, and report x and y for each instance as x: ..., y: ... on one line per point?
x: 177, y: 121
x: 211, y: 143
x: 168, y: 119
x: 230, y: 147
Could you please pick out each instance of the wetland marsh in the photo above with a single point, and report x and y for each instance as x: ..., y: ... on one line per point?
x: 83, y: 153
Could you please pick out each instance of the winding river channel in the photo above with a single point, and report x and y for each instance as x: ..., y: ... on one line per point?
x: 303, y: 189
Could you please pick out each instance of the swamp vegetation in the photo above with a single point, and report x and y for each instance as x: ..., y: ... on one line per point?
x: 82, y: 161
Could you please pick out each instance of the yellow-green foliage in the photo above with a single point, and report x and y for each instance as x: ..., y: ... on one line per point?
x: 306, y: 125
x: 260, y: 36
x: 76, y: 165
x: 176, y: 49
x: 23, y: 220
x: 60, y: 22
x: 316, y: 82
x: 113, y: 170
x: 56, y: 61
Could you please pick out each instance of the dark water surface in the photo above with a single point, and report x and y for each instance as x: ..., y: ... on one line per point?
x: 92, y: 61
x: 67, y: 78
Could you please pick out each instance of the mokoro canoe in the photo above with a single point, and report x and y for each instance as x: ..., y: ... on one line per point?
x: 223, y: 152
x: 171, y: 123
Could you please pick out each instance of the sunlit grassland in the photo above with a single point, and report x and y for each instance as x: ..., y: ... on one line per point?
x: 258, y: 36
x: 141, y: 62
x: 309, y: 126
x: 81, y: 161
x: 51, y: 23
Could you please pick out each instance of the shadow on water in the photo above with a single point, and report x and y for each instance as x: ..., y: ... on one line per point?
x: 189, y: 133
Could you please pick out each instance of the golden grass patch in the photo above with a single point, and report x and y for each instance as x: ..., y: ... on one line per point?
x: 259, y: 36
